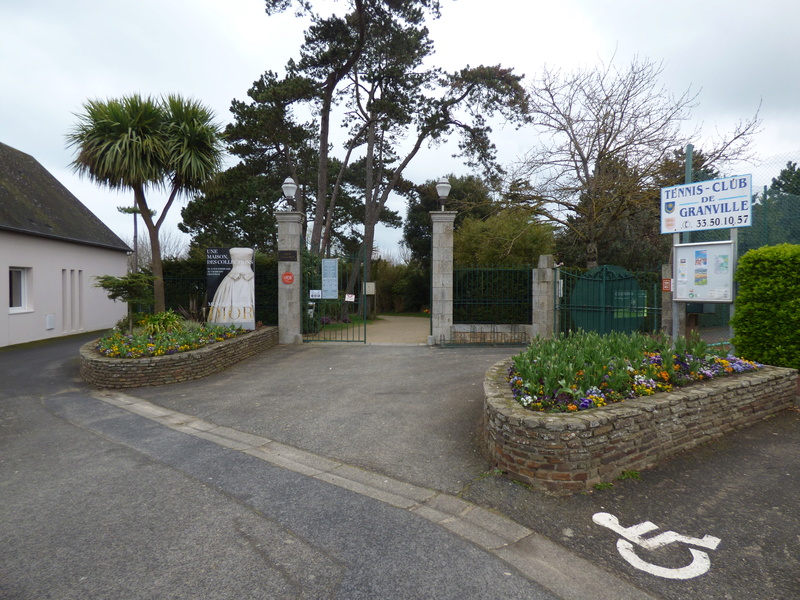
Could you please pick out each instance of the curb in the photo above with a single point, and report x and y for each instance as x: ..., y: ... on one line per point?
x: 536, y: 557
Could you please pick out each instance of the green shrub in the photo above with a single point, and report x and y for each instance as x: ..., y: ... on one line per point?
x: 162, y: 322
x: 766, y: 318
x: 130, y: 323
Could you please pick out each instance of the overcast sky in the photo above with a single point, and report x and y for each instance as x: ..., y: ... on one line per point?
x: 54, y: 55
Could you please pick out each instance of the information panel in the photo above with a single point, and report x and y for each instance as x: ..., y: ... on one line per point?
x: 715, y: 204
x: 703, y: 272
x: 330, y: 278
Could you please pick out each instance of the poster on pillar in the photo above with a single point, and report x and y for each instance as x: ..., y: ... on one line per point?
x: 230, y: 287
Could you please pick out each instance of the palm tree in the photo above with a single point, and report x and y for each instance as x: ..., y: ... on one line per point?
x: 142, y: 144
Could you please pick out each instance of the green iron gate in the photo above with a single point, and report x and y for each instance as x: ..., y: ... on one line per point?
x: 606, y: 299
x: 335, y: 307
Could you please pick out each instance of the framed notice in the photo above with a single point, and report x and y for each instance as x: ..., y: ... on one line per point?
x: 330, y: 278
x: 703, y: 272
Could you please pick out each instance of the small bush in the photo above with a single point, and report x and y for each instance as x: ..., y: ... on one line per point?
x: 162, y: 322
x: 124, y: 324
x: 766, y: 318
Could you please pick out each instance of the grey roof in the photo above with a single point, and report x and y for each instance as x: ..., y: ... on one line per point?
x: 34, y: 202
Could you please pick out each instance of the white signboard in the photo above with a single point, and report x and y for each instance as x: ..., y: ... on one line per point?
x: 714, y: 204
x: 703, y: 272
x: 330, y: 278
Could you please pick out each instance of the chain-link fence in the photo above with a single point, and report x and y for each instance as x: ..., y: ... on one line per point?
x: 775, y: 220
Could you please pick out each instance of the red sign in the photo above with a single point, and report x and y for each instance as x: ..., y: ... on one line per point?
x: 288, y: 278
x: 666, y: 285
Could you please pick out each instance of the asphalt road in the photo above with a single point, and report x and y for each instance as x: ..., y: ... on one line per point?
x: 101, y: 502
x: 98, y: 502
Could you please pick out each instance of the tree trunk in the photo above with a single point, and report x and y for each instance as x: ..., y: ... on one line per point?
x: 155, y: 251
x: 322, y: 174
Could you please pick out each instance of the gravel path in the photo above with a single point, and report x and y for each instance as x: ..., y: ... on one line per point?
x: 393, y: 329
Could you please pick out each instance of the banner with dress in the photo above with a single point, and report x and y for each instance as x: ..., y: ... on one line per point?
x: 230, y: 287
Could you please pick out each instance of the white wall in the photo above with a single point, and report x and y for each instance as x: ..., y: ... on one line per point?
x: 60, y: 291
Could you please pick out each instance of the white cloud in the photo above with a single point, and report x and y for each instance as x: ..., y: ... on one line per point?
x: 56, y: 55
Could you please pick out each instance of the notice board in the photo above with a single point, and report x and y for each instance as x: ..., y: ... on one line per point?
x: 703, y: 272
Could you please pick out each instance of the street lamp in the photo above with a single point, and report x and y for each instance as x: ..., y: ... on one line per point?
x: 289, y: 188
x: 443, y: 189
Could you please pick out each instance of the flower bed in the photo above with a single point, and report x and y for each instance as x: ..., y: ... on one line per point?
x: 130, y: 345
x: 587, y: 370
x: 104, y: 372
x: 571, y: 452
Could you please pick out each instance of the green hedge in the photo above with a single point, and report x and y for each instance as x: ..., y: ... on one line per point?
x: 766, y: 318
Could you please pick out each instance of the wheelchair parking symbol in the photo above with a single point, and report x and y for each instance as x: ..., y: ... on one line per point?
x: 633, y: 535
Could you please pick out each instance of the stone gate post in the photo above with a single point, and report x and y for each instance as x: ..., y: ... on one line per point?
x: 290, y: 262
x: 442, y: 276
x: 544, y: 291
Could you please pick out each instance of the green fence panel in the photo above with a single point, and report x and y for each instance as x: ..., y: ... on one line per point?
x: 608, y: 298
x: 492, y: 295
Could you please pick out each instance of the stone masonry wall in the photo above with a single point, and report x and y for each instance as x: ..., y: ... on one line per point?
x: 568, y: 453
x: 102, y: 372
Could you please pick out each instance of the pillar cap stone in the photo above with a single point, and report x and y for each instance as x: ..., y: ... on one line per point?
x: 443, y: 216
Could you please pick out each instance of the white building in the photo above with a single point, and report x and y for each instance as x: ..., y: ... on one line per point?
x: 52, y: 248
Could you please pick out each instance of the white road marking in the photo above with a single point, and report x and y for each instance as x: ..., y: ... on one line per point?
x: 633, y: 535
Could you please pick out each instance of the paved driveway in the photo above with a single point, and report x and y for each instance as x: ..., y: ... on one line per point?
x: 407, y: 417
x: 414, y: 413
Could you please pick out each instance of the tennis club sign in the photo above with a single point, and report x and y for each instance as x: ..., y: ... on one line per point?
x: 715, y: 204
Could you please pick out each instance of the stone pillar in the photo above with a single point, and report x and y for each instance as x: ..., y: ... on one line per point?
x: 544, y: 297
x: 666, y: 302
x: 667, y: 306
x: 442, y: 276
x: 290, y: 285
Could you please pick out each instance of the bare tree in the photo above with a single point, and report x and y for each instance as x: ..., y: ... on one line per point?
x: 604, y: 133
x: 173, y: 246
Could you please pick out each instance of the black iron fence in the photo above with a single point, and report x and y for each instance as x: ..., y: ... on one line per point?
x: 492, y: 295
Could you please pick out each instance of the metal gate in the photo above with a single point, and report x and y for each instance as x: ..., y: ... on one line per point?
x: 334, y: 293
x: 606, y: 299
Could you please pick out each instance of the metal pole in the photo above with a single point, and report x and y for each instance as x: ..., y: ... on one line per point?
x: 676, y: 239
x: 734, y: 262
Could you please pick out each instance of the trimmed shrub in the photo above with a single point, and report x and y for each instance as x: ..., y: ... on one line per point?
x: 766, y: 319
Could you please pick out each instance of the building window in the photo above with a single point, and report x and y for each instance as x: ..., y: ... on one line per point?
x: 18, y: 289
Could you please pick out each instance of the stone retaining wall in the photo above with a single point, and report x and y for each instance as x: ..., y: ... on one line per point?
x: 568, y: 453
x: 103, y: 372
x: 490, y: 334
